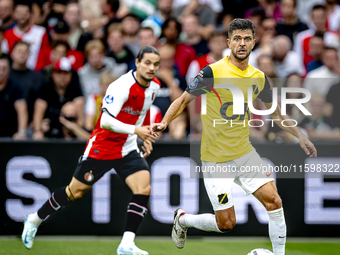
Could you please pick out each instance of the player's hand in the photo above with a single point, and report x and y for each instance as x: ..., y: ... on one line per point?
x: 308, y: 147
x: 157, y: 127
x: 147, y: 147
x: 144, y: 133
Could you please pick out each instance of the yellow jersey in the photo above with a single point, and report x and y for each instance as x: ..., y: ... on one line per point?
x: 225, y: 135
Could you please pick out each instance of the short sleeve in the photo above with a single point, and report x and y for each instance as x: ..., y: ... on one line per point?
x: 114, y: 99
x: 202, y: 83
x: 266, y: 95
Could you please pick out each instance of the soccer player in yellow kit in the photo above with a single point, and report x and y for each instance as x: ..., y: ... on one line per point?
x: 229, y: 145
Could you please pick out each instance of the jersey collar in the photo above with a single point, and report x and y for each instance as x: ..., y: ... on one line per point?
x: 133, y: 72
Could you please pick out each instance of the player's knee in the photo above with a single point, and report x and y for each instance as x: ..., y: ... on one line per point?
x: 78, y: 194
x: 225, y: 226
x: 274, y: 203
x: 146, y: 190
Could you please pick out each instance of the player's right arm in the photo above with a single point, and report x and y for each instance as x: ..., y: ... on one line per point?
x: 113, y: 101
x: 175, y: 109
x: 202, y: 83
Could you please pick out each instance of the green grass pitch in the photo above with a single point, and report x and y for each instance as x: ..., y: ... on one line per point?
x: 164, y: 246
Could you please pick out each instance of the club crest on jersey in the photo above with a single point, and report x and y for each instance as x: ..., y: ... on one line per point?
x: 89, y: 176
x: 193, y: 84
x: 109, y: 99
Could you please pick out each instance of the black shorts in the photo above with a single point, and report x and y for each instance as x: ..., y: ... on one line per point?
x: 91, y: 170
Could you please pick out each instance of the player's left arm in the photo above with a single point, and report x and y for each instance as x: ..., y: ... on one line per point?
x: 305, y: 144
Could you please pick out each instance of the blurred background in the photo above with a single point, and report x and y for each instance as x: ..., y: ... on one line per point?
x: 58, y: 57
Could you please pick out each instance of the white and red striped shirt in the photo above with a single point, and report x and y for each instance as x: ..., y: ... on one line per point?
x: 128, y: 102
x: 35, y: 36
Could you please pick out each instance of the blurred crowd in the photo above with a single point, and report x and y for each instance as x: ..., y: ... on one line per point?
x: 57, y: 58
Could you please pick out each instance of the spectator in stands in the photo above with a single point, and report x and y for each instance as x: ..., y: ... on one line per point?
x: 156, y: 20
x: 290, y: 25
x: 217, y: 44
x: 60, y: 89
x: 265, y: 63
x: 1, y: 39
x: 206, y: 16
x: 110, y: 9
x: 29, y: 81
x: 294, y: 80
x: 117, y: 48
x: 257, y: 16
x: 69, y: 116
x: 97, y: 64
x: 333, y: 15
x: 62, y: 32
x: 317, y: 125
x: 301, y: 45
x: 269, y: 26
x: 172, y: 86
x: 59, y: 50
x: 191, y: 26
x: 13, y: 107
x: 286, y: 61
x: 35, y: 36
x: 321, y: 79
x: 316, y: 47
x: 93, y: 107
x: 77, y: 38
x: 6, y: 14
x: 333, y: 98
x: 131, y: 24
x: 184, y: 54
x: 146, y: 37
x: 215, y: 5
x: 141, y: 8
x: 271, y: 8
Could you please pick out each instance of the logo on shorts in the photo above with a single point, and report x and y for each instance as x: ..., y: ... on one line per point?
x: 223, y: 198
x: 89, y: 176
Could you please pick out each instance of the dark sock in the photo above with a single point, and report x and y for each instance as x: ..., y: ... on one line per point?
x: 136, y: 212
x: 58, y: 199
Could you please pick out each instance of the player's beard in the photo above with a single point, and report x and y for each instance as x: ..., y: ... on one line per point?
x: 146, y: 79
x: 238, y: 58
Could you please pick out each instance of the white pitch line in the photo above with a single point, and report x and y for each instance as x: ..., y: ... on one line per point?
x: 226, y: 239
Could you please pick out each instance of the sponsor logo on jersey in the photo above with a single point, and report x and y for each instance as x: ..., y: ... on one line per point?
x: 89, y: 176
x: 109, y: 99
x: 129, y: 110
x: 193, y: 84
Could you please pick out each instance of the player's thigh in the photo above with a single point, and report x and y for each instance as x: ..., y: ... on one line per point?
x: 134, y: 171
x: 218, y: 189
x: 267, y: 194
x: 139, y: 182
x: 90, y: 170
x: 252, y: 175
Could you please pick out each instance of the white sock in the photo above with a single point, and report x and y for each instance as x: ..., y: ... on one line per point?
x: 277, y: 231
x: 128, y: 237
x: 206, y: 222
x: 34, y: 218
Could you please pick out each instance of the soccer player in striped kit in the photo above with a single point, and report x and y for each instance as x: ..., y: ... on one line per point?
x: 113, y: 144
